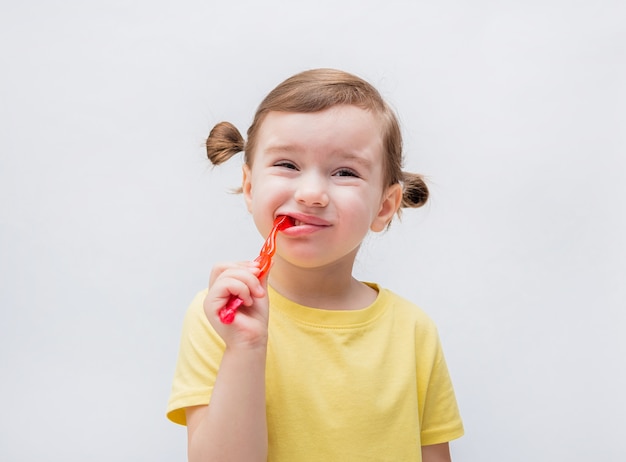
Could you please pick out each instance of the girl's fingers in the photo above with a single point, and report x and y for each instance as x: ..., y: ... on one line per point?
x: 239, y: 282
x: 219, y: 268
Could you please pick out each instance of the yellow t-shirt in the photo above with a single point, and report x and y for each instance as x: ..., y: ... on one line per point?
x: 364, y: 385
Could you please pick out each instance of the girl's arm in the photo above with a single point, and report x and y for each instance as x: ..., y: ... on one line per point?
x: 233, y: 427
x: 436, y: 453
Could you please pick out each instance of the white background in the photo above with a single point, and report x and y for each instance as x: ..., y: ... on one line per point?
x: 111, y: 217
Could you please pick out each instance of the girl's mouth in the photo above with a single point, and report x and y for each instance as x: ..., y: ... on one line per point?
x: 307, y: 220
x: 305, y: 224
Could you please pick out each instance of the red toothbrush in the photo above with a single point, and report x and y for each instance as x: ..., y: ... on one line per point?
x: 227, y: 313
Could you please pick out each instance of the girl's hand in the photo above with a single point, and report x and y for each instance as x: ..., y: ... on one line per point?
x: 249, y: 329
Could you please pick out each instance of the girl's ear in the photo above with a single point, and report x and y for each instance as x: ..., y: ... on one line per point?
x: 392, y: 199
x: 246, y: 186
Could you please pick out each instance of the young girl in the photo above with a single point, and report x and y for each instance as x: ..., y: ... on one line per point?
x: 317, y: 366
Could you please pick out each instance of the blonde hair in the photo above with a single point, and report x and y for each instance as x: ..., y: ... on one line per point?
x: 313, y: 91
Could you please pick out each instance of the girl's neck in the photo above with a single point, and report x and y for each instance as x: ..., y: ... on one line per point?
x: 330, y: 288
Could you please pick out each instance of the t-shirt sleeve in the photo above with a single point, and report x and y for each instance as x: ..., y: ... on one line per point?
x: 440, y: 420
x: 199, y: 356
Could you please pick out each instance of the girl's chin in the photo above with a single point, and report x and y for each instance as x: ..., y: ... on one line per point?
x: 312, y: 260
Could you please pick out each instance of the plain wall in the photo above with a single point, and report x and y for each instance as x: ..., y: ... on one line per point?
x: 111, y: 218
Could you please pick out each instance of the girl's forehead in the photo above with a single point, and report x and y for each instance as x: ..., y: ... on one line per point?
x: 347, y: 126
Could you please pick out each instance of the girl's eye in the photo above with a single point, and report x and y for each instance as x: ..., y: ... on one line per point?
x: 286, y: 164
x: 346, y: 172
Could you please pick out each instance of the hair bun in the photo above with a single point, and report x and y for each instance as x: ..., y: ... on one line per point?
x: 414, y: 191
x: 223, y: 142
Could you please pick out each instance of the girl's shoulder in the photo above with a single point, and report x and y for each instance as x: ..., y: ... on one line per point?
x: 406, y: 311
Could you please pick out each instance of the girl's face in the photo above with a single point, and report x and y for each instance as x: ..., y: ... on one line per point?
x: 324, y: 169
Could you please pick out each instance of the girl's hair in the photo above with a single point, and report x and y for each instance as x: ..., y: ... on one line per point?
x: 313, y: 91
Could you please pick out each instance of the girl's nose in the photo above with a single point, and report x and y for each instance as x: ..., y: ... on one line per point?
x: 312, y: 191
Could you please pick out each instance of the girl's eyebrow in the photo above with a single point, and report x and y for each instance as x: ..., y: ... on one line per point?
x: 364, y: 161
x: 283, y: 149
x: 294, y: 149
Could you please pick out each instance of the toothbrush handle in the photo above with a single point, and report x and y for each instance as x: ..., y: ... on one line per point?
x: 282, y: 222
x: 227, y: 313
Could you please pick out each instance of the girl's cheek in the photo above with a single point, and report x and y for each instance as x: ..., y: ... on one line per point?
x: 277, y: 186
